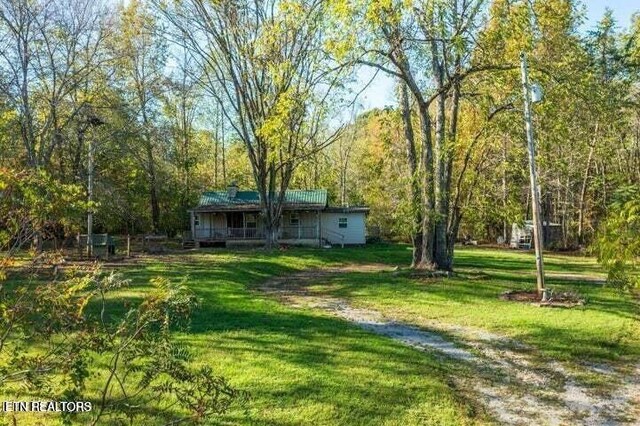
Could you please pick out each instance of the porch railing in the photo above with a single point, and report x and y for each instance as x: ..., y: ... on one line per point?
x: 244, y: 234
x: 298, y: 232
x: 211, y: 234
x: 286, y: 233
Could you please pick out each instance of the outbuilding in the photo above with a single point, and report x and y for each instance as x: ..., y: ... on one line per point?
x: 522, y: 235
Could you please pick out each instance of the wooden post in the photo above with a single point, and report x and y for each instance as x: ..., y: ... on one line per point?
x: 535, y: 192
x: 128, y: 245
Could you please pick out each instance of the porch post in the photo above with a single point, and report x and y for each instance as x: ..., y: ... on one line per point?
x: 244, y: 225
x: 299, y: 222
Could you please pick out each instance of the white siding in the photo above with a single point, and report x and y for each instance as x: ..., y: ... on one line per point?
x: 354, y: 233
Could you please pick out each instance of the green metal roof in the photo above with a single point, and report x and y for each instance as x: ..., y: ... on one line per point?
x: 314, y: 198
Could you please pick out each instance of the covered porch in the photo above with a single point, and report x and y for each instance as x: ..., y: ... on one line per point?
x: 300, y: 227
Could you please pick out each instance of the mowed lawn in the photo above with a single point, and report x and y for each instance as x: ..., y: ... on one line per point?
x: 304, y: 366
x: 605, y: 329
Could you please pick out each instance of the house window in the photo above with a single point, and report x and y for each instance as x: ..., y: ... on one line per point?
x: 294, y: 219
x: 196, y: 220
x: 342, y: 222
x: 251, y: 221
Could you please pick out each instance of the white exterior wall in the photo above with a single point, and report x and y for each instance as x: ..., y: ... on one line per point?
x: 307, y: 229
x: 354, y: 233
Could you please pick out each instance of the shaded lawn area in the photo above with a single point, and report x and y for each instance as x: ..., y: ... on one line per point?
x: 606, y: 328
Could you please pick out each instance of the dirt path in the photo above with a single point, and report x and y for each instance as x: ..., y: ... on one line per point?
x: 516, y: 388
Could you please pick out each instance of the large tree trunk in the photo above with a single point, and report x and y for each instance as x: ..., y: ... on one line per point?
x: 412, y: 160
x: 428, y: 228
x: 451, y: 226
x: 272, y: 194
x: 440, y: 238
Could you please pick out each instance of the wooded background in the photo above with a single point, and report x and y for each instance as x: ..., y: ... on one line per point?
x: 182, y: 97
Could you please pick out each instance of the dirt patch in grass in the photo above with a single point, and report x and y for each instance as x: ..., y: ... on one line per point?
x: 560, y: 300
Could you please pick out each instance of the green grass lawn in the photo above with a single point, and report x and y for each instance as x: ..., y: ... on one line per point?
x: 303, y: 366
x: 605, y: 329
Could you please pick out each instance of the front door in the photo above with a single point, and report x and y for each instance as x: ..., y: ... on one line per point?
x: 235, y: 220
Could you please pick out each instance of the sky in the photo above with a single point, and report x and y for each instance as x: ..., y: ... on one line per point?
x: 380, y: 92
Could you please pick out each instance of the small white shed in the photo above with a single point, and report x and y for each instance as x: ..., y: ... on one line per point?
x: 522, y: 235
x: 344, y: 225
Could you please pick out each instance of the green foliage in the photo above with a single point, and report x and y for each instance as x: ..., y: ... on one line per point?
x: 618, y: 243
x: 53, y: 333
x: 33, y: 202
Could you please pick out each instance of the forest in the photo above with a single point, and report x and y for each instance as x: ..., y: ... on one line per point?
x: 118, y: 118
x: 171, y: 103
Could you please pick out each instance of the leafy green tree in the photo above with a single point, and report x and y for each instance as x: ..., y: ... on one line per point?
x: 141, y: 56
x: 618, y: 245
x: 264, y: 63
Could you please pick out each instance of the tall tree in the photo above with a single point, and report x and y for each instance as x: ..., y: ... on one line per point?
x: 264, y: 62
x: 400, y: 39
x: 181, y: 102
x: 141, y: 57
x: 48, y: 50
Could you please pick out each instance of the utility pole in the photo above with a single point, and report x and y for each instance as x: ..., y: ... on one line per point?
x: 90, y: 199
x: 93, y: 121
x: 535, y: 192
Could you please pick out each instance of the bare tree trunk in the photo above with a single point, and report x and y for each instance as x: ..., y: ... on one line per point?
x: 428, y: 225
x: 215, y: 162
x: 224, y: 156
x: 446, y: 263
x: 412, y: 160
x: 153, y: 191
x: 440, y: 237
x: 505, y: 230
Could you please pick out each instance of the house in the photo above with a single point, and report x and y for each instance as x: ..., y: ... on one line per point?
x: 522, y: 235
x: 232, y: 217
